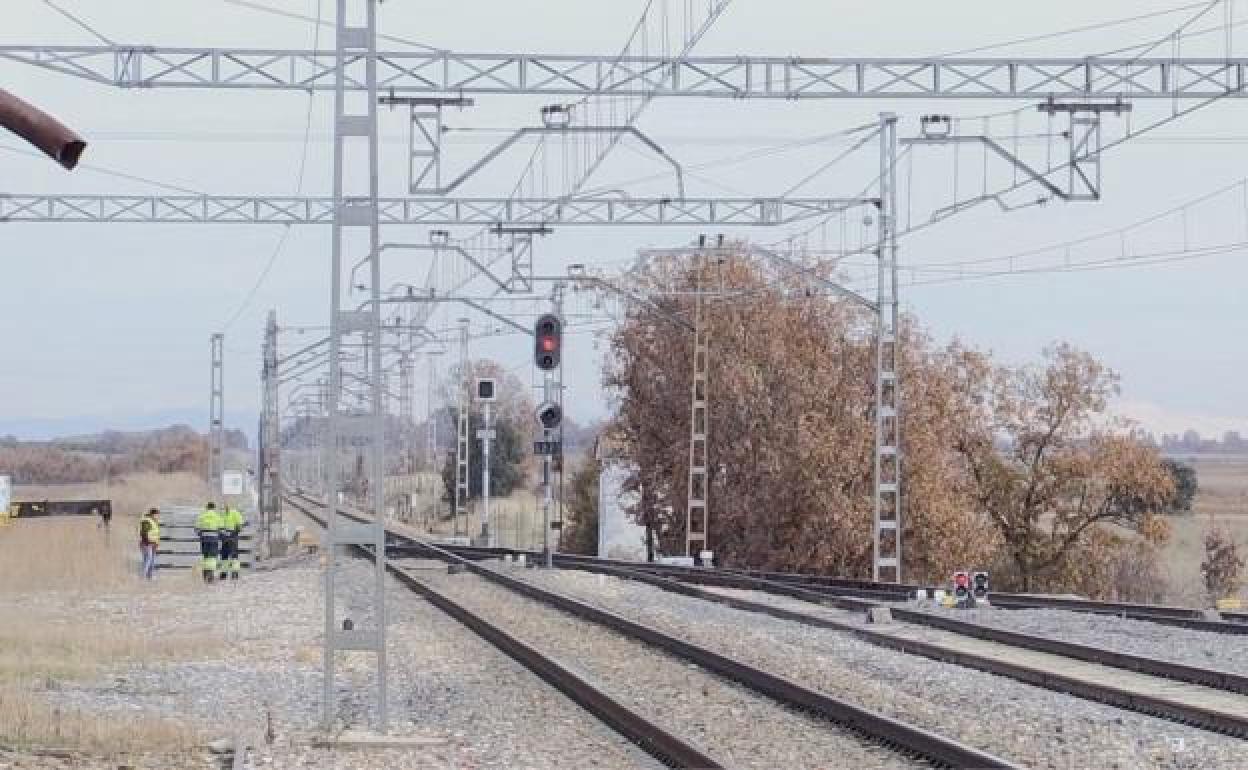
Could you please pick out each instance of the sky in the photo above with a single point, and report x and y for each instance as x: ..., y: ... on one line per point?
x: 109, y: 325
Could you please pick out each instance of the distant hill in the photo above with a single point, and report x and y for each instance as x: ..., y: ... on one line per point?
x: 47, y: 428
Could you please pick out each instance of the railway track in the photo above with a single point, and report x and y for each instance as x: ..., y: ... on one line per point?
x: 904, y: 739
x: 1206, y: 698
x: 1182, y: 617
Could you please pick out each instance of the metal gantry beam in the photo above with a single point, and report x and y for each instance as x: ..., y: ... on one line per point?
x: 736, y: 77
x: 248, y: 209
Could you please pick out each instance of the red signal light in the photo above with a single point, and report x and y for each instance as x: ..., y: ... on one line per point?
x: 548, y: 344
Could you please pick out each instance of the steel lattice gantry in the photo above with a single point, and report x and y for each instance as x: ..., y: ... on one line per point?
x: 757, y: 77
x: 216, y: 209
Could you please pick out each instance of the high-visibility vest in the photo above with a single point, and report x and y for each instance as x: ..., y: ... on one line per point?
x: 209, y: 521
x: 233, y: 520
x: 151, y: 528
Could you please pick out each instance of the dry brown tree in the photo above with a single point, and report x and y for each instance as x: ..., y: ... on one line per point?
x: 791, y: 424
x: 1055, y: 475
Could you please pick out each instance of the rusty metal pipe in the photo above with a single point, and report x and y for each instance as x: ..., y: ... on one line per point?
x: 41, y: 129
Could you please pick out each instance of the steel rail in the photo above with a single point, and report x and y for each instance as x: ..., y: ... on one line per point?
x: 878, y: 728
x: 1118, y: 697
x: 678, y: 580
x: 1182, y: 617
x: 650, y: 737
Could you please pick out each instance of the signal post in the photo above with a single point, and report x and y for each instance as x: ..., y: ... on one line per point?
x: 547, y: 354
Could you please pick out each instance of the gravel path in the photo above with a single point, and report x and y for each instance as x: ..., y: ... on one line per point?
x: 739, y: 728
x: 445, y: 682
x: 1029, y: 725
x: 1228, y: 652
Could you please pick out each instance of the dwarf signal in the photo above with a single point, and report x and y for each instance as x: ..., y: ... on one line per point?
x: 961, y: 588
x: 979, y: 586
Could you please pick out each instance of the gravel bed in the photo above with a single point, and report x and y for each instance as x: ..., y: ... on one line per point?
x: 1228, y: 652
x: 445, y: 682
x: 1029, y: 725
x: 737, y: 727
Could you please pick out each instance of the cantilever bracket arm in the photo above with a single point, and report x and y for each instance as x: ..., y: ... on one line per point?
x: 463, y: 301
x: 460, y: 250
x: 1031, y: 173
x: 771, y: 256
x: 527, y: 131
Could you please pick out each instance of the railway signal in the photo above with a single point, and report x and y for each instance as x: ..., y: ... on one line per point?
x: 549, y: 414
x: 961, y: 589
x: 548, y: 342
x: 979, y: 587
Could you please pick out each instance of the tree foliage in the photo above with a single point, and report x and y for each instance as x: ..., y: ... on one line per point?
x: 1185, y: 483
x: 1223, y: 565
x: 1016, y: 468
x: 1047, y: 472
x: 512, y: 417
x: 96, y: 458
x: 580, y: 530
x: 791, y: 425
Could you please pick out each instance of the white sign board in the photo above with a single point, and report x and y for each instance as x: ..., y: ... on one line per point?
x: 232, y: 483
x: 6, y: 493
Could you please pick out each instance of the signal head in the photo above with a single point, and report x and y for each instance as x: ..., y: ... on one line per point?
x: 549, y: 415
x: 548, y: 342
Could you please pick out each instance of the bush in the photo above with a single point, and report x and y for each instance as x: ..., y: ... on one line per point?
x: 1223, y: 566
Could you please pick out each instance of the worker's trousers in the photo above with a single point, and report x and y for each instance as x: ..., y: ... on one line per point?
x: 209, y: 547
x: 229, y: 555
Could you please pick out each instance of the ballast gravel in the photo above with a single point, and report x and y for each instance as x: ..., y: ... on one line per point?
x: 1227, y: 652
x: 1028, y: 725
x: 479, y: 708
x: 737, y: 727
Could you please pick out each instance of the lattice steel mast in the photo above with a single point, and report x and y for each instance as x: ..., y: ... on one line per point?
x: 887, y: 527
x: 696, y: 511
x: 216, y: 419
x: 355, y: 416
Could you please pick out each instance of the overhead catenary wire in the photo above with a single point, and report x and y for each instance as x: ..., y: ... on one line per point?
x: 97, y: 169
x: 299, y: 183
x: 321, y: 22
x: 79, y: 22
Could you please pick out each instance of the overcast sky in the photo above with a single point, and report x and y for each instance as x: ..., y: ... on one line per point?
x: 112, y: 321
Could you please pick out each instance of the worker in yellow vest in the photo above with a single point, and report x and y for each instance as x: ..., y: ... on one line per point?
x: 208, y: 527
x: 149, y: 541
x: 231, y: 528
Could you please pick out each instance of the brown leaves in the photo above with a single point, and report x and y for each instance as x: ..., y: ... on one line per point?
x: 1048, y: 478
x: 791, y: 426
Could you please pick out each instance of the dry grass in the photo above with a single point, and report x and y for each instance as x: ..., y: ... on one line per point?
x: 69, y: 553
x: 131, y: 495
x: 1221, y: 500
x: 27, y: 720
x: 51, y: 566
x: 37, y: 646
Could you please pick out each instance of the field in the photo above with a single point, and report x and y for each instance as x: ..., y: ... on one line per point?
x: 54, y: 569
x: 1223, y: 501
